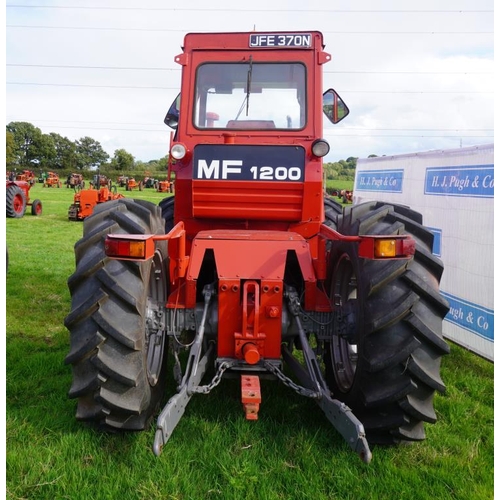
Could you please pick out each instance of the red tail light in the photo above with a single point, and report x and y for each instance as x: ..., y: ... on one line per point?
x: 133, y: 247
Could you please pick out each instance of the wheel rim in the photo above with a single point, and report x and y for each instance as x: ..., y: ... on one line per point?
x: 155, y: 320
x: 18, y: 204
x: 343, y: 346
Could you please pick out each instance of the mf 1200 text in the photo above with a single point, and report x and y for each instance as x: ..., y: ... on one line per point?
x: 234, y: 170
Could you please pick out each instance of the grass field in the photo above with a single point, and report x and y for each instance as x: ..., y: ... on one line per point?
x: 291, y: 452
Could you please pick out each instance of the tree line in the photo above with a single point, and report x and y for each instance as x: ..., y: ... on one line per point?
x: 341, y: 170
x: 28, y: 148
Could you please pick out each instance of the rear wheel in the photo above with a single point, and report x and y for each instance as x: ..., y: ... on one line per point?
x: 167, y: 212
x: 384, y: 359
x: 332, y: 212
x: 117, y: 334
x: 16, y: 202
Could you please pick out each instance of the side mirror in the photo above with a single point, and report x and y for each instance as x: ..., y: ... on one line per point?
x: 334, y: 107
x: 172, y: 117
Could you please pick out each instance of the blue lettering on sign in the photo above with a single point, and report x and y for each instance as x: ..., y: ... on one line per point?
x: 472, y: 317
x: 380, y: 180
x: 438, y: 238
x: 280, y: 40
x: 475, y: 181
x: 248, y: 163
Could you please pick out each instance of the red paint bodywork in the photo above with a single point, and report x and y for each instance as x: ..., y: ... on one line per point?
x: 249, y: 226
x: 251, y: 205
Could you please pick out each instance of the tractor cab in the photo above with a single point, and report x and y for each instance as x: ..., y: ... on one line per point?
x: 248, y: 143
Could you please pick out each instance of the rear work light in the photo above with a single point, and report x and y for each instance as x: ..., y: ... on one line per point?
x: 320, y: 148
x: 132, y: 247
x: 178, y: 151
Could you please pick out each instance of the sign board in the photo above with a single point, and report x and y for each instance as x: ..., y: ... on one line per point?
x: 453, y: 190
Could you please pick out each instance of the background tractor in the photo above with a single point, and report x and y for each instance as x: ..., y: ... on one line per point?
x: 133, y: 184
x: 150, y: 182
x: 17, y: 198
x: 75, y: 181
x: 122, y: 181
x: 25, y: 175
x: 52, y: 180
x: 85, y: 200
x: 100, y: 180
x: 250, y: 267
x: 165, y: 186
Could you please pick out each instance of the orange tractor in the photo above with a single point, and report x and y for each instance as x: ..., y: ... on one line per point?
x: 85, y: 200
x: 133, y: 184
x: 165, y: 186
x: 18, y: 198
x: 250, y: 267
x: 52, y: 180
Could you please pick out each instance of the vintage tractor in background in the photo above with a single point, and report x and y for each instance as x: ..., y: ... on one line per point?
x: 18, y: 198
x: 345, y: 195
x: 75, y: 181
x: 100, y: 180
x: 165, y: 186
x: 122, y: 181
x: 85, y: 200
x: 133, y: 184
x: 52, y: 180
x: 25, y: 175
x: 150, y: 182
x: 250, y: 267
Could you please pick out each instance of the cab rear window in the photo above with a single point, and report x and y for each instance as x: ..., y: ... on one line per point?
x: 244, y: 96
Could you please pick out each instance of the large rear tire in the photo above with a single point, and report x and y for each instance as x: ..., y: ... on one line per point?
x: 333, y: 210
x: 384, y: 360
x: 118, y: 344
x: 16, y: 202
x: 167, y: 212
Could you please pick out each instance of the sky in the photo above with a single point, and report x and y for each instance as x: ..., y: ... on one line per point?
x: 415, y: 76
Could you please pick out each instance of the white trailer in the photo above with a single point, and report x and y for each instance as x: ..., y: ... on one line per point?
x: 453, y: 190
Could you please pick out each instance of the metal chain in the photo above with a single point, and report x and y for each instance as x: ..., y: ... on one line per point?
x: 302, y: 391
x: 205, y: 389
x: 225, y: 365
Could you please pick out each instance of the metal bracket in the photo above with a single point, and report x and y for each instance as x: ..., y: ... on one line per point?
x: 195, y: 370
x: 338, y: 413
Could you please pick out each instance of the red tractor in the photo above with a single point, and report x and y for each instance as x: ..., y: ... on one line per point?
x: 250, y: 267
x: 18, y: 198
x: 26, y: 175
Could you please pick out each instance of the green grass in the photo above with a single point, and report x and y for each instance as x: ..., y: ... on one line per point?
x: 339, y: 184
x: 291, y: 452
